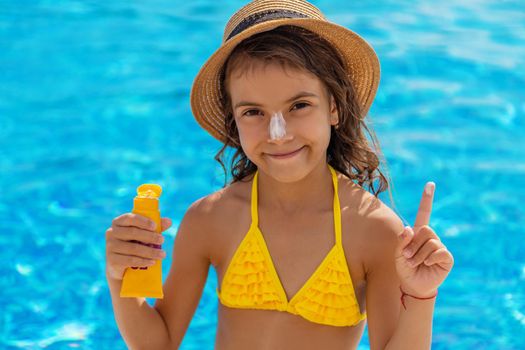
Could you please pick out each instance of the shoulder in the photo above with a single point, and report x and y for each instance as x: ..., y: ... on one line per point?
x: 212, y: 217
x: 215, y: 206
x: 377, y: 225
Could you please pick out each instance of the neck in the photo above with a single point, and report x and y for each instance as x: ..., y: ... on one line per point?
x: 313, y: 192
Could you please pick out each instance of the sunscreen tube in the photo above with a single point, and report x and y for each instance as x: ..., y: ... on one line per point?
x: 145, y: 281
x: 277, y: 126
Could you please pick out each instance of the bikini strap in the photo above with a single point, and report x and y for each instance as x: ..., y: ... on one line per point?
x: 255, y: 215
x: 337, y: 209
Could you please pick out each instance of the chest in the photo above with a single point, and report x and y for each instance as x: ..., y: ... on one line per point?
x: 297, y: 245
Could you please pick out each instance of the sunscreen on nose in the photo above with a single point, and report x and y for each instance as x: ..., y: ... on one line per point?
x: 277, y: 127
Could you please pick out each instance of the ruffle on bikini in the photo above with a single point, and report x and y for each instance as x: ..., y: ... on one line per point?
x: 329, y: 298
x: 248, y: 282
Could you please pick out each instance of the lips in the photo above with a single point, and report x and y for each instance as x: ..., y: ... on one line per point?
x: 285, y: 154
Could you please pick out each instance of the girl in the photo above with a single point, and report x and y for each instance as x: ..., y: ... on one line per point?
x: 303, y: 253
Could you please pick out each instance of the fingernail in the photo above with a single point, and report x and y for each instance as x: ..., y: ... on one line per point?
x: 152, y: 224
x: 407, y: 252
x: 429, y: 188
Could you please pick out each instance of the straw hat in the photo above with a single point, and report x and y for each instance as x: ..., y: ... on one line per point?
x: 263, y: 15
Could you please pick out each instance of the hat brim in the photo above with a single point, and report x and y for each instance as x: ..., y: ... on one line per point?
x: 361, y: 60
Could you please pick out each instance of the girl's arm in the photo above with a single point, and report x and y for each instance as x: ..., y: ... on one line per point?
x: 140, y: 325
x: 383, y: 305
x: 390, y: 326
x: 416, y: 262
x: 163, y: 326
x: 188, y: 273
x: 414, y: 326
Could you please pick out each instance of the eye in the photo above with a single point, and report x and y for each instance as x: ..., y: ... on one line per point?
x: 301, y: 104
x: 248, y: 112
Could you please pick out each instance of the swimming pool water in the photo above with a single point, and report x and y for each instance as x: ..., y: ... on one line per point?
x: 94, y: 100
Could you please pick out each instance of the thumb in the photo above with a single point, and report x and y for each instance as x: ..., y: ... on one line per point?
x: 166, y: 224
x: 403, y: 239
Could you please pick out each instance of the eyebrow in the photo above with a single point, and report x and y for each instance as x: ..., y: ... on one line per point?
x: 299, y: 95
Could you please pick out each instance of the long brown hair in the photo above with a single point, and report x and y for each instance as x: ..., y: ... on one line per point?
x: 349, y: 152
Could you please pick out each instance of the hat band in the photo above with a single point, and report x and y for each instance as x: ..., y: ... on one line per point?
x: 263, y: 16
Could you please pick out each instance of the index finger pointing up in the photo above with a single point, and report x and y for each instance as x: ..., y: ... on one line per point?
x: 425, y: 206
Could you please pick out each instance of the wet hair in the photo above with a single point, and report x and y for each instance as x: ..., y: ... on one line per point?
x: 349, y: 152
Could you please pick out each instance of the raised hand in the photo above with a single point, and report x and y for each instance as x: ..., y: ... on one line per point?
x: 422, y: 260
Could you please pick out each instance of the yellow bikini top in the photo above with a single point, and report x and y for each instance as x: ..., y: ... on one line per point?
x: 251, y: 281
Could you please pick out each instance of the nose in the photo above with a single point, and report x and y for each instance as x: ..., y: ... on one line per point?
x: 277, y: 129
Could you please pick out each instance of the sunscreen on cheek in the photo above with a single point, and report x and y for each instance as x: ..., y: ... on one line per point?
x: 277, y: 127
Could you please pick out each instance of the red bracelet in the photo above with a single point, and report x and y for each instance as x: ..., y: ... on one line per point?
x: 403, y: 294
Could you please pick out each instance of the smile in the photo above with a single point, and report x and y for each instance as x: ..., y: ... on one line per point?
x: 285, y: 155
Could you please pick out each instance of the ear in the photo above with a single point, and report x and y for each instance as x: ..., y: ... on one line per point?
x: 334, y: 114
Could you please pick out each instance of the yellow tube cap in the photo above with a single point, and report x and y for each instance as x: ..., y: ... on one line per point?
x: 149, y: 191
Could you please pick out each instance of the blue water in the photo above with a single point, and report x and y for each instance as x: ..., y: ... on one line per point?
x: 94, y: 100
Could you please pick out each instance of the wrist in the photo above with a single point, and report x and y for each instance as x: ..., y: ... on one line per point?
x: 417, y: 294
x: 427, y: 296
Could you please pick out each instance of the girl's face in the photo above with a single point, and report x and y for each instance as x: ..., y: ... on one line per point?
x: 265, y: 89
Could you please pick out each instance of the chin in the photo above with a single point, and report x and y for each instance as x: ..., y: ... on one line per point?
x: 287, y: 176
